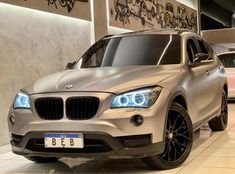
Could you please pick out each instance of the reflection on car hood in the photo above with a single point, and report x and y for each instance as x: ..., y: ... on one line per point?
x: 105, y: 79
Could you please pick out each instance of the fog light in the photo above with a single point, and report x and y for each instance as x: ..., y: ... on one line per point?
x: 137, y: 120
x: 12, y: 119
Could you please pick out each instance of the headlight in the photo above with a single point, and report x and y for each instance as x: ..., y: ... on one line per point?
x: 143, y: 98
x: 21, y: 101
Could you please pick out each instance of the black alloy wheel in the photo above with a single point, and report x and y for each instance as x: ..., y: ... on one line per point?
x: 220, y: 123
x: 178, y: 140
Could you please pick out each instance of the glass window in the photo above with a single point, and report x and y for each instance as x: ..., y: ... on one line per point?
x: 191, y: 50
x: 202, y: 47
x: 228, y: 60
x: 133, y: 50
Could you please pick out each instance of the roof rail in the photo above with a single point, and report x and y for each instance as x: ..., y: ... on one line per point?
x: 106, y: 36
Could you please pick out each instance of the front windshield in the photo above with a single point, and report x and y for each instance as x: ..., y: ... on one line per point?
x: 132, y: 50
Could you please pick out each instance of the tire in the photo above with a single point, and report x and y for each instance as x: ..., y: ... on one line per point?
x: 178, y: 140
x: 220, y: 123
x: 38, y: 159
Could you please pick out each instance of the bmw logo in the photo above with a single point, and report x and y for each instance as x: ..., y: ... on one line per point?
x: 69, y: 87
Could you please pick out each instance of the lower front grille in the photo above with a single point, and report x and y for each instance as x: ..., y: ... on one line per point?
x: 90, y: 146
x: 135, y: 140
x: 49, y: 108
x: 82, y: 108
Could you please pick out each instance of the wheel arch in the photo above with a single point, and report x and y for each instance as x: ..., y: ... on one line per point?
x: 180, y: 98
x: 177, y: 96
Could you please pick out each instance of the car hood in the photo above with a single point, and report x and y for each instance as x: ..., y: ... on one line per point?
x: 105, y: 79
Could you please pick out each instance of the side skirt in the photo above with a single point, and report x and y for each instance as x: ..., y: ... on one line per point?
x: 197, y: 125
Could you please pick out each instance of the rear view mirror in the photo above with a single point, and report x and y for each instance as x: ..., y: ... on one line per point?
x: 70, y: 65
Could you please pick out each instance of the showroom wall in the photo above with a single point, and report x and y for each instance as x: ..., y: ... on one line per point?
x: 34, y: 43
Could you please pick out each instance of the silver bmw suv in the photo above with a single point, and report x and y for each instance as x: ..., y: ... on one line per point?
x: 137, y: 95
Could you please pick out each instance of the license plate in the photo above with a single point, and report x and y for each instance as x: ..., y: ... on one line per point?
x: 63, y: 140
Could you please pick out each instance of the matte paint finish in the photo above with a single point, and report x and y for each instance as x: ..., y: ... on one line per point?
x: 201, y: 86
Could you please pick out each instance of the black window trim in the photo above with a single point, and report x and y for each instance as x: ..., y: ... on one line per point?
x: 193, y: 39
x: 198, y: 49
x: 206, y: 46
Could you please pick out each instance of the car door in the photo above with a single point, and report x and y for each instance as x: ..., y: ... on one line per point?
x: 213, y: 72
x: 202, y: 87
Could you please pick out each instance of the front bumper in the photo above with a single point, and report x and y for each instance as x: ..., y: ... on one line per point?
x: 108, y: 124
x: 95, y: 144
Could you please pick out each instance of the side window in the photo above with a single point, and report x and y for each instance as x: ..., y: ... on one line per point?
x: 191, y: 50
x: 231, y: 62
x: 210, y: 50
x: 94, y: 56
x: 228, y: 60
x: 223, y: 62
x: 202, y: 47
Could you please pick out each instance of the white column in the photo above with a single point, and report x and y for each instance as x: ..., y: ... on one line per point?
x: 100, y: 21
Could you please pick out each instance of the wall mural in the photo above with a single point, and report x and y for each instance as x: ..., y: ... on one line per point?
x: 69, y: 4
x: 73, y: 8
x: 145, y: 14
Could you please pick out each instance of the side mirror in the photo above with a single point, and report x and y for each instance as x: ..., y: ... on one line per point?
x: 70, y: 65
x: 201, y: 57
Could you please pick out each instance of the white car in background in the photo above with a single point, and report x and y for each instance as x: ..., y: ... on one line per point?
x: 228, y: 60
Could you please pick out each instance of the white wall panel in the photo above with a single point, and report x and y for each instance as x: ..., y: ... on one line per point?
x: 189, y: 3
x: 34, y: 43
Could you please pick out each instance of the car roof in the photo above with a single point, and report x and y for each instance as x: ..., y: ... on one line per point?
x: 153, y: 32
x: 224, y: 53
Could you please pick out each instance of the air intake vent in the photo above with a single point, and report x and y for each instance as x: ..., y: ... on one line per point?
x: 135, y: 140
x: 82, y: 108
x: 49, y: 108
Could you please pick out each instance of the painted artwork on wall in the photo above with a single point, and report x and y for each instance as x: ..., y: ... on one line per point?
x: 149, y: 14
x: 68, y: 4
x: 73, y: 8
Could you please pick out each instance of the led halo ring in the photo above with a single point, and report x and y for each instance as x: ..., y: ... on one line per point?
x: 120, y: 101
x: 141, y: 98
x: 137, y: 103
x: 22, y: 101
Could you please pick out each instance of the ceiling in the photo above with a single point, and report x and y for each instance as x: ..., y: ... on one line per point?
x: 223, y: 12
x: 227, y: 4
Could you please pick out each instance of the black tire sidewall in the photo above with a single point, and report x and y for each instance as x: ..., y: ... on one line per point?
x: 156, y: 161
x: 217, y: 123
